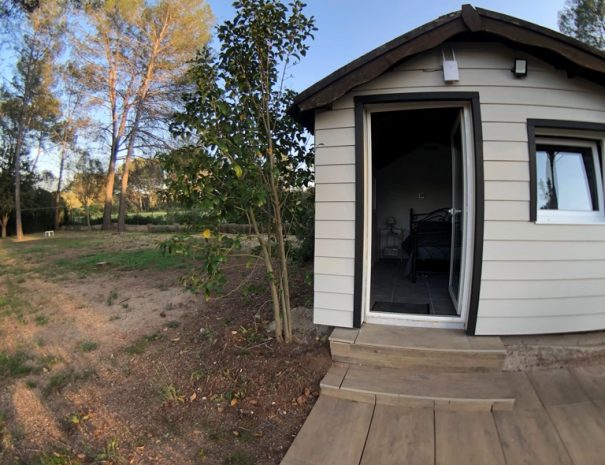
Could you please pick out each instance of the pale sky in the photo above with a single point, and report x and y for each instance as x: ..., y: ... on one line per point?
x: 349, y: 28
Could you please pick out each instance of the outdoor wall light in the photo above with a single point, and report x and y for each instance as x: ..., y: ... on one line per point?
x: 520, y: 68
x: 450, y: 68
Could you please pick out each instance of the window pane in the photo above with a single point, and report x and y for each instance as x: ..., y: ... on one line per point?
x: 566, y: 179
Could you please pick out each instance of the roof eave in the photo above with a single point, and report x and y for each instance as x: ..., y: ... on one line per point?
x: 371, y: 65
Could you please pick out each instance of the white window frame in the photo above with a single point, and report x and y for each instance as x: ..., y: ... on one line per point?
x: 573, y: 216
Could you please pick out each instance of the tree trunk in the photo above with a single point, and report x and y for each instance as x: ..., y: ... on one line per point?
x: 110, y: 180
x: 553, y: 201
x: 24, y: 122
x: 123, y: 189
x: 4, y: 222
x: 18, y: 146
x: 277, y: 314
x: 281, y: 247
x: 124, y: 186
x: 284, y: 276
x: 87, y: 209
x: 58, y: 193
x: 38, y: 151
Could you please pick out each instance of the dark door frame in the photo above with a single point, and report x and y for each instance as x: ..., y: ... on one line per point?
x: 471, y: 98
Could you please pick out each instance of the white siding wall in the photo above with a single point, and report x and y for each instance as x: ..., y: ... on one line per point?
x: 535, y: 278
x: 334, y: 219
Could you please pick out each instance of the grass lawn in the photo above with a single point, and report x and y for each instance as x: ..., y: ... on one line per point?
x: 90, y: 252
x: 105, y: 358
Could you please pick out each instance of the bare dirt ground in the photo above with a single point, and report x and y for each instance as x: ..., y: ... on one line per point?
x: 105, y: 358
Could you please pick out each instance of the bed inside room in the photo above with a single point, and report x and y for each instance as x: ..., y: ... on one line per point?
x: 412, y: 196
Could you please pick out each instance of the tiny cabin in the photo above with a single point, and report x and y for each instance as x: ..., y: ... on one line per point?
x: 459, y: 180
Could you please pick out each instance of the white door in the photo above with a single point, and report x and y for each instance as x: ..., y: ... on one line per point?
x: 462, y: 231
x: 457, y: 210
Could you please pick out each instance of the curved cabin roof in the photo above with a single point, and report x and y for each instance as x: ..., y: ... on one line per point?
x: 468, y: 24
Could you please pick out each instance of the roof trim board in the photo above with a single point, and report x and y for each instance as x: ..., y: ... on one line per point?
x: 562, y: 51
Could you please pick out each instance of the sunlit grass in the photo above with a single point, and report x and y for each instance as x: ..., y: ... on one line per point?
x: 85, y: 253
x: 125, y: 260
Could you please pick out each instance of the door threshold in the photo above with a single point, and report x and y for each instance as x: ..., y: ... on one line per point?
x: 418, y: 321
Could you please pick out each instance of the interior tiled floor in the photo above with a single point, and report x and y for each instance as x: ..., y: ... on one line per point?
x: 389, y: 284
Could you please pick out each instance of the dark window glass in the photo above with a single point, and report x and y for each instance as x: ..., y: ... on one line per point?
x: 566, y: 178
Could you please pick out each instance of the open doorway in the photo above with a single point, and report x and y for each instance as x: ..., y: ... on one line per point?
x: 419, y: 212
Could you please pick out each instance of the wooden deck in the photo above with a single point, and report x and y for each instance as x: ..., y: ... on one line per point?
x: 558, y: 419
x: 402, y: 396
x: 400, y: 347
x: 417, y: 387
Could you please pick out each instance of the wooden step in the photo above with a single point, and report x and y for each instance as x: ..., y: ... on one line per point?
x: 426, y: 348
x: 420, y: 388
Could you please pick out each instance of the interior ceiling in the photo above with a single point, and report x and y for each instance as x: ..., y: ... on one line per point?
x: 397, y: 133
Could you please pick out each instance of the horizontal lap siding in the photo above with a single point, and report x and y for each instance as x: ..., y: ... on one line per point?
x: 512, y: 210
x: 507, y: 190
x: 537, y: 325
x: 536, y: 278
x: 510, y: 112
x: 505, y: 150
x: 543, y: 232
x: 329, y: 211
x: 334, y: 155
x: 560, y: 270
x: 519, y: 307
x: 515, y: 249
x: 333, y: 283
x: 329, y: 317
x: 506, y: 171
x: 560, y: 289
x: 332, y: 174
x: 325, y: 229
x: 335, y: 137
x: 505, y: 132
x: 334, y: 218
x: 334, y: 266
x: 339, y: 248
x: 337, y: 192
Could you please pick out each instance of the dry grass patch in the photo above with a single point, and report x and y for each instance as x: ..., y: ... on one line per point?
x: 105, y: 358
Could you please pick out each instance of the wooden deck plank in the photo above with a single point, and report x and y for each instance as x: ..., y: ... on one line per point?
x: 334, y: 376
x: 528, y: 437
x: 592, y: 380
x: 400, y: 336
x: 408, y: 357
x: 334, y: 434
x: 344, y: 335
x: 429, y: 385
x: 400, y: 436
x: 523, y: 391
x: 486, y: 343
x: 582, y: 430
x: 466, y: 438
x: 557, y: 387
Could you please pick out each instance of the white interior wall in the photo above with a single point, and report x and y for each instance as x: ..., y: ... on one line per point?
x: 426, y: 171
